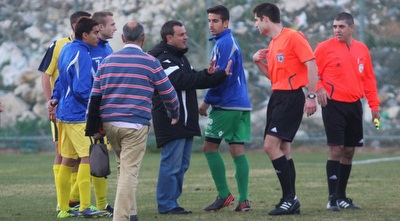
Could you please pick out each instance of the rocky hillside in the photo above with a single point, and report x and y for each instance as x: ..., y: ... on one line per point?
x: 27, y: 27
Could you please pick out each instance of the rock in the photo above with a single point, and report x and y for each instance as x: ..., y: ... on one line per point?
x: 14, y: 107
x: 40, y: 110
x: 393, y: 112
x: 12, y: 62
x: 236, y: 13
x: 24, y: 91
x: 33, y: 32
x: 28, y: 27
x: 26, y: 116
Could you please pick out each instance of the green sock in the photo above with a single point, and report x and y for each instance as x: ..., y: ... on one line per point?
x: 242, y: 176
x: 217, y: 168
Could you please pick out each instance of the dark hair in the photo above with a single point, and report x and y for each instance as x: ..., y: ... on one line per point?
x: 100, y: 17
x: 347, y: 17
x: 77, y: 15
x: 220, y: 10
x: 84, y: 25
x: 168, y: 29
x: 269, y: 10
x: 132, y: 33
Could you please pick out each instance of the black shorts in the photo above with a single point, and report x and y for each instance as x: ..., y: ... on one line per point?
x: 343, y: 123
x: 284, y: 114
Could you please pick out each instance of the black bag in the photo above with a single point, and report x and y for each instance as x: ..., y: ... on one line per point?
x: 99, y: 159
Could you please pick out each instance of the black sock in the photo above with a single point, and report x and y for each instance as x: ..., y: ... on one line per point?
x: 345, y: 170
x: 292, y: 174
x: 283, y: 172
x: 333, y: 174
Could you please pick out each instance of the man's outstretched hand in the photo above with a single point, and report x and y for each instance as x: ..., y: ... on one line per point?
x: 212, y: 68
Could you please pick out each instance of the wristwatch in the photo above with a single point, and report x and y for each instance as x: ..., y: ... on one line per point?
x: 311, y: 96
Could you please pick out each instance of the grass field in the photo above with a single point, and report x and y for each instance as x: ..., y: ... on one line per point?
x: 27, y: 189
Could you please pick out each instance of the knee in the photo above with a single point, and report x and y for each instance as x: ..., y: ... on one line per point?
x: 348, y: 153
x: 69, y: 162
x: 268, y: 149
x: 335, y: 153
x: 210, y: 147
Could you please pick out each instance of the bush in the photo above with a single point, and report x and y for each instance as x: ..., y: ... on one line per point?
x: 27, y: 128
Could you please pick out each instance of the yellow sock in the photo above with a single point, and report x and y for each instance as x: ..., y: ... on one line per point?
x: 64, y: 186
x: 74, y: 196
x: 56, y: 169
x: 83, y: 180
x: 100, y: 191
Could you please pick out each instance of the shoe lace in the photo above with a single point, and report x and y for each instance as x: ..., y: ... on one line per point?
x: 348, y: 200
x: 217, y: 201
x: 62, y: 214
x: 92, y: 208
x: 280, y: 203
x: 284, y: 204
x: 65, y: 214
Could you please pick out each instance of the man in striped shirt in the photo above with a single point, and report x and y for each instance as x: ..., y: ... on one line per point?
x: 121, y: 98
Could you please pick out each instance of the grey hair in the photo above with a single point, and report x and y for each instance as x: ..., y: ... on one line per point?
x: 132, y: 33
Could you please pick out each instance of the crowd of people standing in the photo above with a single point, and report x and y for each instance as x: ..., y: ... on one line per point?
x: 93, y: 91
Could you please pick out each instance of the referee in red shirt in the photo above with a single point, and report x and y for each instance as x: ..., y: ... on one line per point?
x: 345, y: 76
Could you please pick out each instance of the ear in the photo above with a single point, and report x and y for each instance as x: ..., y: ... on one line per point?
x: 142, y: 39
x: 264, y: 18
x: 101, y: 27
x: 169, y: 37
x: 84, y: 35
x: 226, y: 24
x: 123, y: 38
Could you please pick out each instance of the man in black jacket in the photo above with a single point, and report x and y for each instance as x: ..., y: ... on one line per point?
x: 176, y: 140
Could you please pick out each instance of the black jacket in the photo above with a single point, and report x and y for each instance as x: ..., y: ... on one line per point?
x: 185, y: 81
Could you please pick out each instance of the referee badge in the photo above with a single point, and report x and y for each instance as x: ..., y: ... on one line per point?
x: 360, y: 68
x: 281, y: 57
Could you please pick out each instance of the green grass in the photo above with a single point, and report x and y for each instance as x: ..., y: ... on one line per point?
x: 27, y: 189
